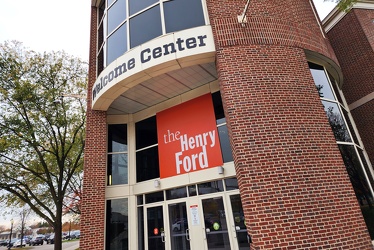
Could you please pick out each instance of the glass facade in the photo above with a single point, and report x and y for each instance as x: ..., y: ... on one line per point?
x: 117, y: 224
x: 358, y: 169
x: 146, y: 147
x: 125, y: 24
x: 117, y: 171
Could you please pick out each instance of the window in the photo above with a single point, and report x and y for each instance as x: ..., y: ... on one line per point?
x: 355, y: 162
x: 222, y: 128
x: 117, y: 170
x: 190, y: 11
x: 124, y: 24
x: 146, y: 150
x: 147, y: 165
x: 117, y: 224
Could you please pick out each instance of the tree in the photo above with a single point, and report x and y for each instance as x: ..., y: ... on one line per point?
x: 41, y: 131
x: 344, y: 4
x: 23, y: 215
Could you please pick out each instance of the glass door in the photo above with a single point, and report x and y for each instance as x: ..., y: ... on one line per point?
x: 239, y: 222
x: 216, y: 228
x: 155, y: 228
x: 178, y: 224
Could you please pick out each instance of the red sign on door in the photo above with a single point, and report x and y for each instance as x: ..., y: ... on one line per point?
x: 155, y: 231
x: 188, y: 140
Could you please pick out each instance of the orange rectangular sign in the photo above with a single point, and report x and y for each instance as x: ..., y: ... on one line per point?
x: 187, y: 138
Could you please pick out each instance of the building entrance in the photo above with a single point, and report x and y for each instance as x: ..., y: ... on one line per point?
x: 211, y: 222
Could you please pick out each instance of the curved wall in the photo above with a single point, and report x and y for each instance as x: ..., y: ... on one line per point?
x: 287, y: 162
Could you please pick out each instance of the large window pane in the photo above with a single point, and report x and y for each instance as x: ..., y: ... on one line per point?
x: 136, y: 5
x: 116, y: 15
x: 210, y: 187
x: 117, y: 169
x: 117, y: 138
x: 145, y: 26
x: 337, y: 122
x: 117, y: 225
x: 117, y: 44
x: 321, y: 81
x: 146, y: 132
x: 225, y: 143
x: 360, y: 184
x: 147, y: 164
x: 183, y: 14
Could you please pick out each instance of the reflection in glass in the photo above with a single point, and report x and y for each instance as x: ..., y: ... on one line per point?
x: 136, y: 5
x: 155, y: 222
x: 360, y: 184
x: 117, y: 224
x: 117, y: 169
x: 176, y: 193
x: 192, y: 191
x: 231, y: 184
x: 117, y: 44
x: 145, y: 26
x: 215, y: 224
x: 337, y: 122
x: 117, y: 138
x: 321, y: 81
x: 190, y: 11
x: 116, y: 15
x: 210, y: 187
x: 225, y: 143
x: 178, y: 226
x: 240, y: 225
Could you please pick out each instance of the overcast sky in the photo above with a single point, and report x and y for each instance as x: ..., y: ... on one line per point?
x: 46, y: 25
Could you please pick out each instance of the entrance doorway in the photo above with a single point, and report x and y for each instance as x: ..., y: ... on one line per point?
x: 209, y: 221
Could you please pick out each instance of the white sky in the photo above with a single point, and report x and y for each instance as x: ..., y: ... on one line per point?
x: 46, y: 25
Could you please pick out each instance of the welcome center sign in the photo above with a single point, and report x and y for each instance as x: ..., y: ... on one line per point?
x: 188, y: 139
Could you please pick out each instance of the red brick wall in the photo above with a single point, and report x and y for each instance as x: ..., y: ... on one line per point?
x: 353, y: 42
x: 294, y: 187
x: 281, y: 22
x: 93, y: 203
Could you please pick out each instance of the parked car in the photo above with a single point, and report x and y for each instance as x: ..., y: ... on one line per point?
x: 37, y: 240
x: 18, y: 243
x: 11, y: 243
x: 4, y: 243
x: 75, y: 234
x: 51, y: 239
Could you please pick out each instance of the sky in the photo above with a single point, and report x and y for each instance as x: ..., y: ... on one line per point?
x: 46, y: 25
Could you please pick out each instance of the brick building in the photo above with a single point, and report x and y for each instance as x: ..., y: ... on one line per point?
x: 216, y: 124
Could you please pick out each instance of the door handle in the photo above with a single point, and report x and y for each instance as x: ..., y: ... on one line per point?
x: 163, y: 237
x: 188, y: 234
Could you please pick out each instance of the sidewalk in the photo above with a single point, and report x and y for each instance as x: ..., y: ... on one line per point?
x: 71, y: 247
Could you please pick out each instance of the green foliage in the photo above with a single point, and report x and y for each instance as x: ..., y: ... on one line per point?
x: 41, y: 133
x: 344, y: 5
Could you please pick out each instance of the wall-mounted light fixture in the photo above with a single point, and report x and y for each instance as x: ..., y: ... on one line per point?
x: 243, y: 17
x: 220, y: 170
x: 156, y: 183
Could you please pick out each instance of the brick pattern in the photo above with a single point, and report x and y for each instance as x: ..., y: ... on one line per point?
x: 275, y: 22
x: 353, y: 42
x: 294, y: 187
x: 93, y: 202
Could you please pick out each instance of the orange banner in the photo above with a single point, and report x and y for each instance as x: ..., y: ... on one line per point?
x: 188, y: 138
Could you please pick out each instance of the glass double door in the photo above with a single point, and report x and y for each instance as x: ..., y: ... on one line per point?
x: 211, y: 223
